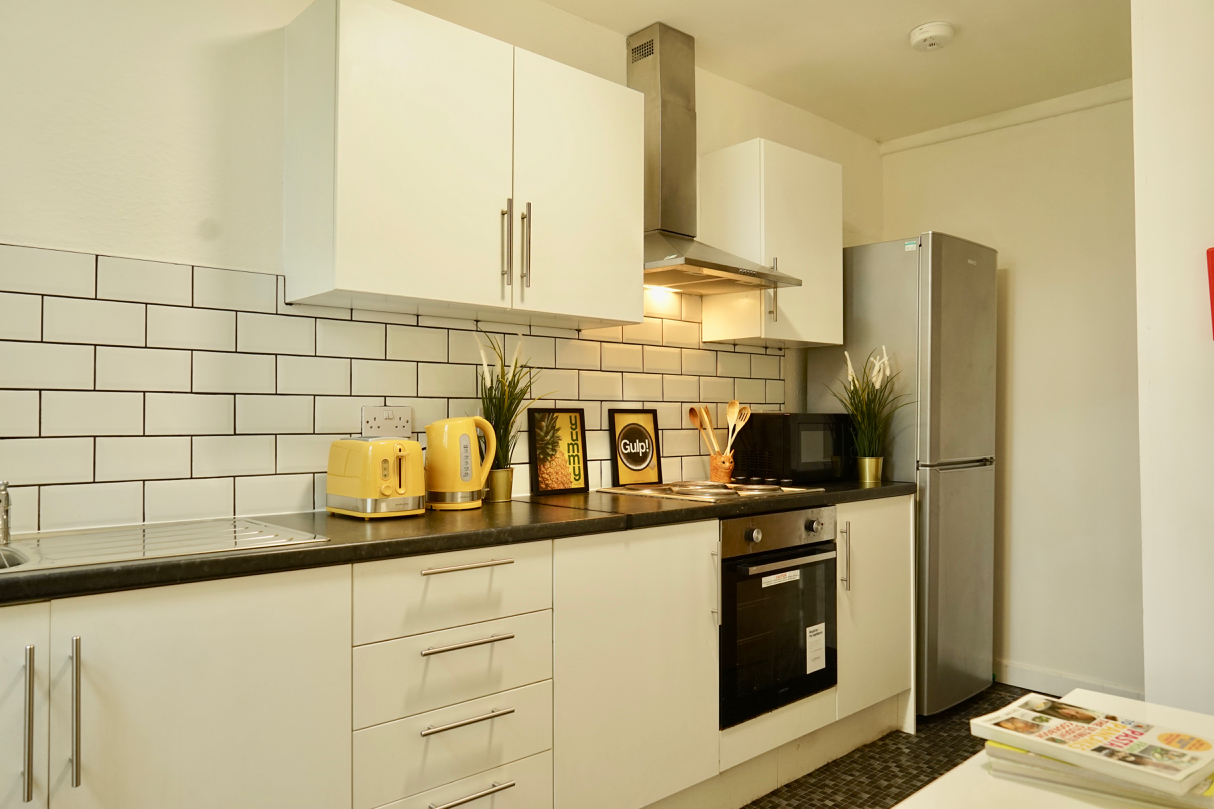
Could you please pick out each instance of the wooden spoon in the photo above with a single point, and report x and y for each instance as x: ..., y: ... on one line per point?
x: 743, y: 417
x: 693, y: 413
x: 712, y: 431
x: 731, y: 418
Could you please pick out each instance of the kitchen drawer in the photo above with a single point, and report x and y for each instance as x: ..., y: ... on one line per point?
x: 392, y: 679
x: 393, y: 760
x: 532, y: 788
x: 400, y: 597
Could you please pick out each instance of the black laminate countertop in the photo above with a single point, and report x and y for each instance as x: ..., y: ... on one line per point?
x: 526, y: 519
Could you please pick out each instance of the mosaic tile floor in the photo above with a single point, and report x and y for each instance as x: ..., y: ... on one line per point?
x: 882, y: 773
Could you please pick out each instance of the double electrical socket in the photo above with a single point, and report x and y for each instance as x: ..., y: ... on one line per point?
x: 393, y: 421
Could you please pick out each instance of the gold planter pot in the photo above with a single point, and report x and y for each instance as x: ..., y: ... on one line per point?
x: 870, y: 470
x: 501, y: 485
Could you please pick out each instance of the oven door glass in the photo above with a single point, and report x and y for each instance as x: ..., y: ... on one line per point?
x: 777, y: 629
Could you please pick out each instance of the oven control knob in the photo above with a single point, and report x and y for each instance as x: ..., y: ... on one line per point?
x: 754, y: 535
x: 812, y: 526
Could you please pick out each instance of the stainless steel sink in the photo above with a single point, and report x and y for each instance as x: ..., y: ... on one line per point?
x: 92, y: 546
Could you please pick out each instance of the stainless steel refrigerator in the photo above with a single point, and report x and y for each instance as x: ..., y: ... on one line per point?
x: 930, y: 300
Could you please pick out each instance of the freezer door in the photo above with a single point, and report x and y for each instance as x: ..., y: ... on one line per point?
x: 956, y: 349
x: 956, y: 585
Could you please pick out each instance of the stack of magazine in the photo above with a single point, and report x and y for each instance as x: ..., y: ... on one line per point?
x: 1039, y: 739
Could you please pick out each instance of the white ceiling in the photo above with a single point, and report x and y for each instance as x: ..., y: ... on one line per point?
x: 850, y: 61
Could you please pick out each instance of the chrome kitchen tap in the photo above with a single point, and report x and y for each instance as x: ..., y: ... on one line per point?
x: 4, y: 504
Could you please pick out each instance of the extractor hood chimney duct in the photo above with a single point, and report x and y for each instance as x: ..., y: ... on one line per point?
x: 661, y: 64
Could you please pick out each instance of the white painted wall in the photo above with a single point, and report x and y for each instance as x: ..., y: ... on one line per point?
x: 1055, y: 197
x: 1174, y: 199
x: 153, y: 130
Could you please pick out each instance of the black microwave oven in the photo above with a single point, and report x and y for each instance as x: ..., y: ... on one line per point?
x: 797, y: 447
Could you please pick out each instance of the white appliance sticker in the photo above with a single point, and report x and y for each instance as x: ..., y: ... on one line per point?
x: 815, y: 648
x: 910, y: 247
x: 465, y: 458
x: 781, y: 578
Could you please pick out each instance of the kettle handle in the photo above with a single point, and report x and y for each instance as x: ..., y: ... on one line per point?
x: 490, y: 447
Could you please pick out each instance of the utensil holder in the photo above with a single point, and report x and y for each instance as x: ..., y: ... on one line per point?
x: 720, y: 468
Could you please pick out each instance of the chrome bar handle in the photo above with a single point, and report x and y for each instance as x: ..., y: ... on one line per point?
x: 527, y: 220
x: 846, y: 579
x: 433, y: 571
x: 508, y: 215
x: 463, y: 723
x: 76, y: 711
x: 787, y: 563
x: 775, y: 293
x: 27, y: 774
x: 468, y: 644
x: 5, y: 503
x: 493, y: 790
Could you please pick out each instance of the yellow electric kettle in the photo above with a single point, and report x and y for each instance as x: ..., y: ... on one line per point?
x: 455, y: 472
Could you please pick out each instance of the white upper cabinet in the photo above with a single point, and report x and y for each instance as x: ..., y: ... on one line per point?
x: 784, y: 208
x: 578, y: 155
x: 408, y: 136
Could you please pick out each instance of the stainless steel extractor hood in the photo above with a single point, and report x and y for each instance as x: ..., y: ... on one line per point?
x: 661, y: 64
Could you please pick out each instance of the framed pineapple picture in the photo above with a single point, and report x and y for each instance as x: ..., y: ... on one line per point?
x: 557, y: 451
x: 635, y: 457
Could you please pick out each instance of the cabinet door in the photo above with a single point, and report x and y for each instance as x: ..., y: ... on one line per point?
x: 635, y: 665
x: 425, y: 116
x: 579, y: 164
x: 803, y: 235
x: 876, y: 606
x: 22, y: 628
x: 225, y: 693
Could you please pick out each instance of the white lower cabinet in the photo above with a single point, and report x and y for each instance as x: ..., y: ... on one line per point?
x: 876, y: 609
x: 635, y: 665
x: 24, y: 635
x: 525, y: 784
x: 231, y: 693
x: 398, y: 759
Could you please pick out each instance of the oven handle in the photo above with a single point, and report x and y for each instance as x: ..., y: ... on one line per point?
x: 787, y: 563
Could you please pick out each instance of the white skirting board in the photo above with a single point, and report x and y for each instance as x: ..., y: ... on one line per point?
x: 1035, y: 678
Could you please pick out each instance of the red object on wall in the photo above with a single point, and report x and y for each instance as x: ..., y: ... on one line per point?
x: 1210, y: 266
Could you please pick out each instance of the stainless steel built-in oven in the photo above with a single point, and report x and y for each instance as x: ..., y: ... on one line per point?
x: 777, y: 611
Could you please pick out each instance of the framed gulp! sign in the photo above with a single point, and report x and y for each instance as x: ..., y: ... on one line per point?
x: 635, y: 457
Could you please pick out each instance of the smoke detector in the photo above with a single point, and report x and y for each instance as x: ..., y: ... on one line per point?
x: 931, y: 36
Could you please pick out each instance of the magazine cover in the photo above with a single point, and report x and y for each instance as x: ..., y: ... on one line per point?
x: 1160, y: 758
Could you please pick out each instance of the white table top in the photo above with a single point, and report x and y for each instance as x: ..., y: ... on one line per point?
x: 972, y: 786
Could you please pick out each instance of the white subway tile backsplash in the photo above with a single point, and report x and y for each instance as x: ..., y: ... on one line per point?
x: 553, y: 331
x: 695, y: 467
x: 582, y: 354
x: 458, y: 407
x: 275, y: 334
x: 668, y: 413
x: 681, y: 442
x: 171, y: 500
x: 598, y: 445
x: 188, y: 414
x: 730, y: 364
x: 339, y: 338
x: 155, y: 369
x: 273, y: 414
x: 466, y: 347
x: 642, y: 386
x: 319, y: 375
x: 775, y: 391
x: 20, y: 317
x: 425, y: 411
x: 179, y: 327
x: 417, y: 344
x: 680, y: 388
x: 23, y: 509
x: 232, y: 289
x: 600, y: 385
x: 388, y: 378
x: 663, y: 303
x: 692, y: 308
x: 128, y: 279
x: 228, y: 455
x: 556, y: 384
x: 750, y: 391
x: 607, y: 334
x: 233, y: 373
x: 764, y: 367
x: 648, y: 332
x: 18, y: 414
x: 319, y: 493
x: 143, y: 458
x: 46, y: 366
x: 343, y: 414
x: 672, y: 469
x: 274, y: 494
x: 67, y: 412
x: 699, y: 363
x: 748, y: 349
x: 622, y: 357
x: 47, y: 272
x: 540, y: 352
x: 592, y: 415
x: 680, y: 334
x: 306, y: 309
x: 442, y: 380
x: 304, y: 453
x: 662, y: 360
x: 46, y: 460
x: 83, y: 320
x: 716, y: 389
x: 446, y: 323
x: 90, y: 505
x: 607, y: 407
x: 385, y: 317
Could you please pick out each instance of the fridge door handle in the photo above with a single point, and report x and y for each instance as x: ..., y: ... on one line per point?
x: 967, y: 463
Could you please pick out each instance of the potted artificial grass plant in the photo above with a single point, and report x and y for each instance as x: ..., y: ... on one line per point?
x: 869, y: 398
x: 505, y: 394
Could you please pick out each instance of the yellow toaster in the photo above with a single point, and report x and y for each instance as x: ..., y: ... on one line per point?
x: 376, y: 477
